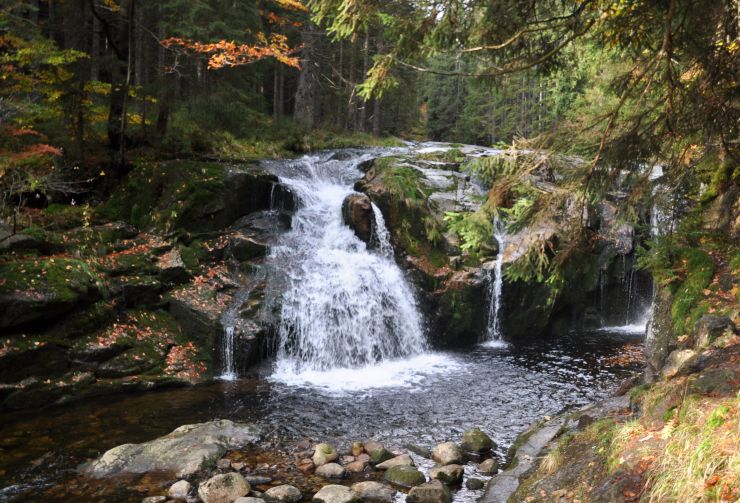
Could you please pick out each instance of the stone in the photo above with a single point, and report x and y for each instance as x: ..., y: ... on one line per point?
x: 324, y: 453
x: 488, y: 467
x: 474, y: 440
x: 283, y: 494
x: 223, y: 488
x: 358, y: 215
x: 678, y: 362
x: 357, y: 448
x: 715, y: 382
x: 249, y: 499
x: 710, y: 327
x: 223, y: 464
x: 306, y: 465
x: 380, y: 455
x: 179, y: 490
x: 172, y: 269
x: 363, y: 457
x: 257, y: 480
x: 403, y: 459
x: 374, y: 491
x: 356, y: 466
x: 430, y: 492
x: 419, y: 450
x: 347, y: 459
x: 184, y: 451
x: 336, y: 494
x: 243, y: 248
x: 371, y: 445
x: 238, y: 465
x: 404, y: 476
x: 331, y: 471
x: 447, y: 474
x: 447, y: 453
x: 154, y: 499
x: 474, y: 484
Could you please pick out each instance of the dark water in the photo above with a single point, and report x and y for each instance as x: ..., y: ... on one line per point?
x: 500, y: 390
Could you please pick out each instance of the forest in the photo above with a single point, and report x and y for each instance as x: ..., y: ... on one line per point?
x: 283, y: 220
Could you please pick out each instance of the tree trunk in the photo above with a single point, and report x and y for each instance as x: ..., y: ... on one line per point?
x: 306, y: 96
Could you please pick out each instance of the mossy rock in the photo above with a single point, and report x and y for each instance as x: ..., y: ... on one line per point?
x: 39, y: 289
x: 474, y: 440
x: 404, y: 476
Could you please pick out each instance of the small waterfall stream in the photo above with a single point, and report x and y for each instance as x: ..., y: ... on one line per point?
x: 343, y: 306
x: 496, y: 281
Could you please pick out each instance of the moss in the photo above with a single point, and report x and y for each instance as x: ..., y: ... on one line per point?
x: 65, y: 279
x: 687, y: 307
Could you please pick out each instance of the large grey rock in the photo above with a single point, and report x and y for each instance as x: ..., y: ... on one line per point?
x: 447, y: 453
x: 448, y: 474
x: 374, y: 491
x: 223, y: 488
x: 183, y: 451
x: 678, y: 361
x: 431, y: 492
x: 336, y: 494
x: 283, y: 494
x: 404, y: 476
x: 331, y: 471
x: 324, y: 453
x: 474, y: 440
x: 179, y: 490
x: 489, y: 466
x: 710, y: 327
x: 402, y: 460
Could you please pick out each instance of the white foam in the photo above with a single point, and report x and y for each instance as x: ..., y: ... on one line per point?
x: 634, y: 328
x: 399, y: 373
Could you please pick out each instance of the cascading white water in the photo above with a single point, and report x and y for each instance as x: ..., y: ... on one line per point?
x: 227, y: 355
x: 496, y: 282
x: 343, y: 306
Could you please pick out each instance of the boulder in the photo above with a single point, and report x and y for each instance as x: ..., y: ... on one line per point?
x: 257, y: 480
x: 421, y: 451
x: 710, y: 327
x: 324, y: 453
x: 306, y: 465
x: 356, y: 466
x: 380, y: 455
x: 474, y: 484
x: 249, y: 499
x: 404, y: 476
x: 402, y: 460
x: 374, y: 491
x: 336, y: 494
x: 283, y: 494
x: 243, y: 248
x: 430, y: 492
x: 331, y: 471
x: 678, y: 362
x: 488, y: 467
x: 172, y: 269
x: 447, y: 453
x: 184, y: 451
x: 357, y: 212
x: 223, y: 488
x: 474, y: 440
x: 179, y: 490
x: 357, y: 449
x: 447, y: 474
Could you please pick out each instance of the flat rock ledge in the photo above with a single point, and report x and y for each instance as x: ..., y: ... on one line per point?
x: 183, y: 452
x: 500, y: 488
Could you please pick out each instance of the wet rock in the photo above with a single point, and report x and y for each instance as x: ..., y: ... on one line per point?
x: 243, y: 248
x: 249, y: 499
x: 404, y: 476
x: 180, y: 490
x: 172, y: 269
x: 324, y: 453
x: 447, y: 474
x: 474, y: 440
x: 356, y: 466
x: 257, y: 480
x: 402, y: 460
x: 141, y: 291
x: 223, y: 488
x: 223, y: 464
x: 183, y: 451
x: 347, y: 459
x: 474, y: 484
x: 447, y: 453
x: 363, y: 457
x: 421, y: 451
x: 374, y: 491
x: 306, y: 465
x: 710, y: 327
x: 331, y: 471
x: 154, y: 499
x: 379, y: 455
x: 336, y: 494
x: 678, y: 362
x: 489, y: 466
x: 357, y: 212
x: 238, y: 466
x: 371, y: 445
x: 430, y: 492
x: 357, y: 448
x: 283, y: 494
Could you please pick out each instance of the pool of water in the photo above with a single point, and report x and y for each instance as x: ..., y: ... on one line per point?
x: 424, y: 399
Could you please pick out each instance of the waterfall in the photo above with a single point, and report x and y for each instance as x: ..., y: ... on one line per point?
x: 496, y: 282
x: 227, y: 355
x: 342, y: 305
